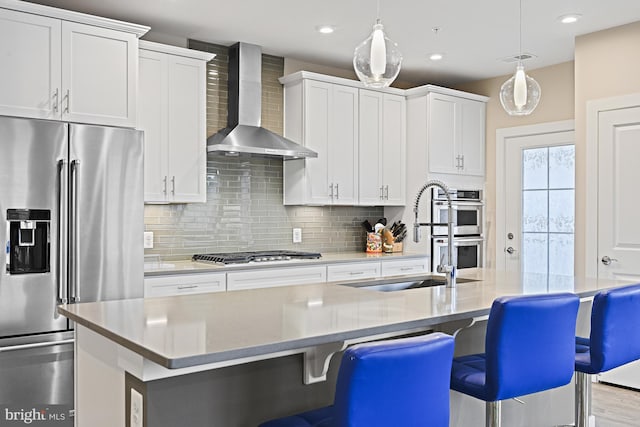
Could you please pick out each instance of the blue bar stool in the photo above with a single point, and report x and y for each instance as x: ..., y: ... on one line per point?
x: 529, y: 347
x: 614, y: 340
x: 403, y: 382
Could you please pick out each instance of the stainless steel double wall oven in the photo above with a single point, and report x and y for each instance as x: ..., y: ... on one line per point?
x: 468, y: 241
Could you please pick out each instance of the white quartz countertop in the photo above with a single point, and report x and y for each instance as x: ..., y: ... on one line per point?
x: 187, y: 266
x: 192, y: 330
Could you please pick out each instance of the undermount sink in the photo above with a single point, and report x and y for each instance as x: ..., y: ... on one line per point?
x: 394, y: 285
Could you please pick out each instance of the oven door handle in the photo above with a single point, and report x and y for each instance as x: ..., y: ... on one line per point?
x: 463, y: 241
x: 455, y: 203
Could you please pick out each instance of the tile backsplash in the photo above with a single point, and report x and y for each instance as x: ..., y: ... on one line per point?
x: 244, y: 209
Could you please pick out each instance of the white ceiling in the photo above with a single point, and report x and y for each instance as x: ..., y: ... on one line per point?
x: 475, y: 34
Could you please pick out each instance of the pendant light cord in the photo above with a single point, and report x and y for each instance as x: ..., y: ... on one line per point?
x: 520, y: 39
x: 378, y: 11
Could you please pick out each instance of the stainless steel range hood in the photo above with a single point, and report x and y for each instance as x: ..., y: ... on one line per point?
x: 243, y: 133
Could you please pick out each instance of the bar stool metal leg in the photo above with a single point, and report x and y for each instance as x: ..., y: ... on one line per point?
x: 583, y: 399
x: 492, y: 412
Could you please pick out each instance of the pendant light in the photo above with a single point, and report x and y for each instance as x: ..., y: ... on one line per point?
x: 377, y: 60
x: 520, y: 94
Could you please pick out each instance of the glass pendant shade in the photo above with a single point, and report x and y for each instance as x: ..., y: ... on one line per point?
x: 520, y: 94
x: 377, y: 60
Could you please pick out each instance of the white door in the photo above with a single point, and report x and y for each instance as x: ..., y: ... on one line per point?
x: 99, y: 75
x: 618, y: 177
x: 617, y: 148
x: 317, y: 110
x: 393, y: 150
x: 471, y: 145
x: 343, y: 145
x: 370, y: 179
x: 443, y: 134
x: 30, y: 70
x: 187, y: 129
x: 539, y: 204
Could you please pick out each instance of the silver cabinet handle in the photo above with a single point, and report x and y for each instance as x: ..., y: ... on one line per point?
x: 337, y: 192
x: 331, y: 191
x: 164, y: 185
x: 386, y: 192
x: 462, y: 160
x: 74, y: 235
x: 510, y: 250
x: 187, y: 286
x: 457, y: 162
x: 173, y: 185
x: 66, y: 96
x: 62, y: 233
x: 36, y: 345
x: 607, y: 261
x: 406, y: 269
x: 381, y: 192
x: 55, y: 101
x: 356, y: 273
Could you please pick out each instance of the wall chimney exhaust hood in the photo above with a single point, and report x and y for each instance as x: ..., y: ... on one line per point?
x: 243, y: 134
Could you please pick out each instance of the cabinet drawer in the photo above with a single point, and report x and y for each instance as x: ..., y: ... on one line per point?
x: 181, y: 284
x: 265, y: 278
x: 353, y: 271
x: 405, y: 266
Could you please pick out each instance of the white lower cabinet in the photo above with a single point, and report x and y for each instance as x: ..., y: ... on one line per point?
x: 181, y: 284
x: 353, y: 271
x: 265, y: 278
x: 405, y: 266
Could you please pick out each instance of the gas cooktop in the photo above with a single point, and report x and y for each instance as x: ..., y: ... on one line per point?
x: 257, y: 256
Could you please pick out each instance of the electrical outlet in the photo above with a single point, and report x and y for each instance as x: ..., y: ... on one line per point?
x: 297, y: 235
x: 136, y: 409
x: 148, y: 239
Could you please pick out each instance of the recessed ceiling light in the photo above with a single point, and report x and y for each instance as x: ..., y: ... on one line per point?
x: 570, y: 18
x: 325, y: 29
x: 436, y: 56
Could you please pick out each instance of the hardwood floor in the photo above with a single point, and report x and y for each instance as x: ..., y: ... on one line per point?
x: 615, y: 406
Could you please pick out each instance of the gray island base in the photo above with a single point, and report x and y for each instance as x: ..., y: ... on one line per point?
x: 236, y: 359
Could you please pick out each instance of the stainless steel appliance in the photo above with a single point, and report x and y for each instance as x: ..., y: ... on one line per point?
x: 468, y: 241
x: 467, y: 250
x: 255, y: 256
x: 467, y: 211
x: 71, y: 200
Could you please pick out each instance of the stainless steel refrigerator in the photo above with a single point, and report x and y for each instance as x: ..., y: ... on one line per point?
x: 71, y: 220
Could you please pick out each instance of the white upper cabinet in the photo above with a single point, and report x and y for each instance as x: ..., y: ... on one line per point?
x: 99, y: 75
x: 30, y: 75
x: 172, y: 113
x: 382, y: 149
x: 323, y: 117
x: 456, y: 131
x: 67, y: 66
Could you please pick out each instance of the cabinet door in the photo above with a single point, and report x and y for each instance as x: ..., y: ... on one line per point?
x: 317, y: 102
x: 30, y: 70
x: 394, y: 150
x: 152, y: 114
x: 186, y: 130
x: 370, y: 186
x: 472, y: 135
x: 272, y: 277
x: 343, y: 145
x: 353, y: 271
x: 181, y: 284
x: 99, y: 75
x: 442, y: 134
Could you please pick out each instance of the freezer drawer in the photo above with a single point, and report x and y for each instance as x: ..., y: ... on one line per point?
x: 36, y: 377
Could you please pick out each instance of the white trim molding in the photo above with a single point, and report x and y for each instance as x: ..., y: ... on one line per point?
x: 594, y: 108
x: 502, y: 135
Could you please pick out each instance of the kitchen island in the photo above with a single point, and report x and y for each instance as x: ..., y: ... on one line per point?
x: 238, y: 358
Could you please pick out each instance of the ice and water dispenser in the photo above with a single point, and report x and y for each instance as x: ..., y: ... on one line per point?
x: 28, y: 244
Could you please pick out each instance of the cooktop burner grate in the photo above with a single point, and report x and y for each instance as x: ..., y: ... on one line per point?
x: 257, y: 256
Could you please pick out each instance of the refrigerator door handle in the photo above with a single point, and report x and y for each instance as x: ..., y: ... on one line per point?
x: 36, y: 345
x: 62, y: 283
x: 74, y: 235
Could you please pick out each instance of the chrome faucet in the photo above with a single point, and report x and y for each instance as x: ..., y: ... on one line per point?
x: 449, y: 269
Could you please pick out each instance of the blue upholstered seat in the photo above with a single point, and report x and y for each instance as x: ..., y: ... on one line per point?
x: 529, y: 347
x: 403, y: 382
x: 615, y: 331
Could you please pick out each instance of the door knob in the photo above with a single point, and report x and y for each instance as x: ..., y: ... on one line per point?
x: 510, y: 250
x: 606, y: 260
